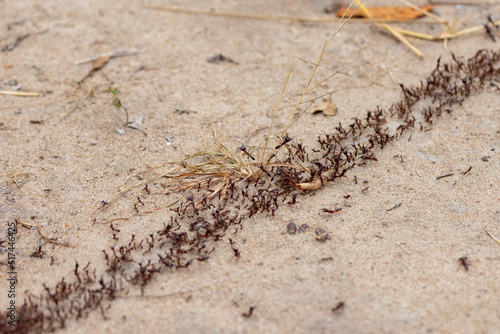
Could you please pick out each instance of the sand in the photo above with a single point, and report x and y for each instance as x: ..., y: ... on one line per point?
x: 394, y: 271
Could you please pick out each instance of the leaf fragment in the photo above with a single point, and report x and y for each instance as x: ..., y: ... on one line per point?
x: 398, y: 13
x: 328, y: 108
x: 314, y: 185
x: 99, y: 63
x: 137, y: 124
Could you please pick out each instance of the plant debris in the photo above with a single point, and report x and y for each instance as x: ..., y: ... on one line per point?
x: 111, y: 55
x: 327, y: 108
x: 44, y: 236
x: 137, y: 124
x: 11, y: 46
x: 493, y: 237
x: 394, y: 207
x: 21, y: 94
x: 443, y: 176
x: 97, y: 64
x: 396, y: 13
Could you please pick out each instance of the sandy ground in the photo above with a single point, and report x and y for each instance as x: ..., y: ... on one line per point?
x: 395, y: 271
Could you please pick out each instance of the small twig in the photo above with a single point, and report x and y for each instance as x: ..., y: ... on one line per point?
x: 394, y: 207
x: 493, y: 237
x: 460, y: 3
x: 73, y: 110
x: 43, y: 234
x: 22, y: 94
x: 390, y: 29
x: 265, y: 16
x: 443, y: 176
x: 446, y: 35
x: 13, y: 45
x: 423, y: 11
x: 468, y: 170
x: 111, y: 55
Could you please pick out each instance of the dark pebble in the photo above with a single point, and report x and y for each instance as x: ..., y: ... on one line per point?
x: 303, y: 228
x: 291, y: 228
x: 319, y: 231
x: 485, y: 159
x: 321, y: 235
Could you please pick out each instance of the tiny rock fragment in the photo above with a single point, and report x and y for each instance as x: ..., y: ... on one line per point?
x: 321, y: 234
x: 303, y: 228
x: 328, y: 108
x: 485, y: 159
x: 291, y: 228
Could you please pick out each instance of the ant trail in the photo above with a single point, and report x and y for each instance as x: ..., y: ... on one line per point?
x: 194, y: 231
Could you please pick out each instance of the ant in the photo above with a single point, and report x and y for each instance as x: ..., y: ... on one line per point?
x: 249, y: 313
x: 285, y: 141
x: 488, y: 31
x: 464, y: 262
x: 331, y: 211
x: 339, y: 306
x: 244, y: 150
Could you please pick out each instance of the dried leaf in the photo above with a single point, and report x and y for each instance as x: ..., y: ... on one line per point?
x: 386, y: 13
x: 328, y: 108
x: 314, y: 185
x: 99, y: 63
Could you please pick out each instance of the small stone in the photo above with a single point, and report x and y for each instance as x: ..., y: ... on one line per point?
x: 321, y: 235
x: 303, y: 228
x: 291, y: 228
x: 319, y: 231
x: 485, y: 159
